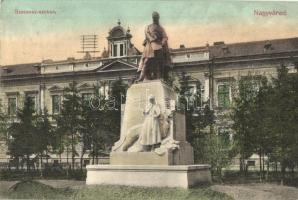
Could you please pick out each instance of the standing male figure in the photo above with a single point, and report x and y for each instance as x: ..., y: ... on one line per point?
x: 156, y: 57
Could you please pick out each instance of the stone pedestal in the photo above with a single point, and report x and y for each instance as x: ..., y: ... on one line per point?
x: 184, y: 176
x: 168, y: 164
x: 183, y: 156
x: 172, y: 123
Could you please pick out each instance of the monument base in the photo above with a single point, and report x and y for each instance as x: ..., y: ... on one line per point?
x: 181, y: 156
x: 183, y: 176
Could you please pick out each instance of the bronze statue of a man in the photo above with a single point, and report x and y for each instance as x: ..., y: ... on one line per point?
x: 155, y: 59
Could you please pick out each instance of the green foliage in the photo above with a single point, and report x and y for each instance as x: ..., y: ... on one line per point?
x: 137, y: 193
x: 13, y: 175
x: 3, y: 123
x: 209, y: 146
x: 198, y: 114
x: 282, y: 117
x: 215, y: 149
x: 22, y: 143
x: 265, y: 120
x: 36, y: 190
x: 44, y: 137
x: 118, y: 93
x: 242, y: 117
x: 96, y: 121
x: 69, y: 120
x: 49, y: 172
x: 93, y: 127
x: 30, y: 134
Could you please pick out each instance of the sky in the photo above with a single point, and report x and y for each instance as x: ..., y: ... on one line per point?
x: 26, y: 38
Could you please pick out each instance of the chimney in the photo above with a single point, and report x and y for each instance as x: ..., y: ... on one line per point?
x: 218, y: 43
x: 225, y: 49
x: 6, y: 70
x: 47, y: 61
x: 87, y: 56
x: 70, y: 59
x: 268, y: 45
x: 37, y: 67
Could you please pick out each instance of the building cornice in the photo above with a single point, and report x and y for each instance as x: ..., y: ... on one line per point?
x: 292, y: 55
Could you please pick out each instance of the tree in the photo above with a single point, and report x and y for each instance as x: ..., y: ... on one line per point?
x: 242, y: 117
x: 60, y: 140
x: 69, y: 119
x: 3, y: 124
x: 92, y: 126
x: 293, y: 117
x: 116, y: 99
x: 44, y: 136
x: 188, y: 103
x: 99, y: 114
x: 209, y: 146
x: 283, y: 118
x: 218, y: 150
x: 22, y: 144
x: 263, y: 139
x: 265, y: 121
x: 93, y: 131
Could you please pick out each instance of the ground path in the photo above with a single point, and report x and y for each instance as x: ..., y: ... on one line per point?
x: 252, y: 191
x: 4, y: 187
x: 63, y: 183
x: 258, y: 191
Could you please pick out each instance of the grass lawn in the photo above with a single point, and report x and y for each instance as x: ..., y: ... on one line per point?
x: 35, y: 190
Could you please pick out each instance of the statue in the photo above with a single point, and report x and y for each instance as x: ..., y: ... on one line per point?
x: 152, y: 149
x: 155, y: 59
x: 150, y: 135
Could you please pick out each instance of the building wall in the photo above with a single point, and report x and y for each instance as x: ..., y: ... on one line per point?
x: 198, y: 63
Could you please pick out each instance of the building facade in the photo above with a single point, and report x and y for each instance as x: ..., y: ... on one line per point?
x: 217, y: 67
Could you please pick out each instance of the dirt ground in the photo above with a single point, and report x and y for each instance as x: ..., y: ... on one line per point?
x: 254, y: 191
x: 63, y: 183
x: 4, y: 187
x: 258, y: 191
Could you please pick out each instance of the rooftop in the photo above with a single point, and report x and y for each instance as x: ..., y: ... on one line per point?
x: 217, y: 50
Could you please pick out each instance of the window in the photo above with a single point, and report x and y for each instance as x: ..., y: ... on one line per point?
x: 56, y: 103
x: 55, y: 163
x: 125, y: 49
x: 33, y: 100
x: 121, y: 50
x: 223, y: 95
x: 111, y: 47
x: 225, y: 135
x: 87, y: 143
x: 12, y: 105
x: 251, y: 163
x: 115, y: 50
x: 1, y: 105
x: 104, y: 90
x: 86, y: 97
x: 250, y: 86
x: 86, y: 162
x: 192, y: 90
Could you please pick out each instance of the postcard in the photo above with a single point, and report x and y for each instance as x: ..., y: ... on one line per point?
x: 148, y: 99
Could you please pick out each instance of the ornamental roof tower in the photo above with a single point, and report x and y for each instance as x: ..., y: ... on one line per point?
x: 119, y: 42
